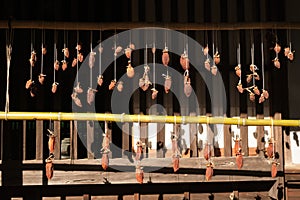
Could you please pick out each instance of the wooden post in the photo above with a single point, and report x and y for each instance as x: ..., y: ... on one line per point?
x: 186, y: 196
x: 57, y: 140
x: 86, y: 197
x: 108, y: 131
x: 39, y: 140
x: 244, y: 136
x: 136, y: 196
x: 24, y: 139
x: 73, y: 140
x: 193, y: 138
x: 144, y: 136
x: 287, y: 151
x: 227, y: 141
x: 278, y: 141
x: 90, y: 138
x: 160, y: 140
x: 210, y: 136
x: 260, y: 136
x: 125, y: 137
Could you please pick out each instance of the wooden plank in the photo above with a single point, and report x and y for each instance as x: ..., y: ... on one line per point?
x: 90, y: 138
x: 278, y: 141
x: 39, y: 140
x: 144, y: 136
x: 57, y: 140
x: 134, y: 11
x: 160, y: 140
x: 86, y: 197
x: 186, y: 196
x: 24, y: 139
x: 260, y: 136
x: 287, y: 151
x: 210, y: 136
x: 73, y: 140
x: 244, y: 136
x: 193, y: 138
x: 227, y: 141
x: 125, y: 137
x: 136, y: 196
x: 109, y: 133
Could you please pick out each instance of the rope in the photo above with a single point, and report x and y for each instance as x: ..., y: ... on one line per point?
x: 77, y: 68
x: 9, y: 40
x: 262, y: 61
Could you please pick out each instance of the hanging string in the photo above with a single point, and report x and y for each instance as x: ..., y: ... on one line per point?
x: 100, y: 57
x: 42, y: 56
x: 77, y: 56
x: 32, y: 49
x: 154, y: 58
x: 239, y: 59
x: 213, y: 45
x: 91, y: 69
x: 262, y: 60
x: 65, y: 44
x: 9, y: 40
x: 217, y: 50
x: 272, y: 136
x: 55, y: 53
x: 115, y: 56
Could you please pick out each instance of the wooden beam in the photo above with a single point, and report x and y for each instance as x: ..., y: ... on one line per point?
x: 58, y: 25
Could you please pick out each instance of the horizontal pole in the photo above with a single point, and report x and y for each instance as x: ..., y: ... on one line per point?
x: 60, y: 25
x: 61, y: 116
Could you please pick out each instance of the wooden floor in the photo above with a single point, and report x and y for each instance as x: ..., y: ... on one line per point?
x: 254, y: 169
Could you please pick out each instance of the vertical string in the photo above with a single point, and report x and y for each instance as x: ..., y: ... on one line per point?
x: 154, y: 50
x: 91, y: 69
x: 77, y: 51
x: 239, y: 59
x: 42, y: 56
x: 272, y: 135
x: 115, y: 56
x: 262, y: 60
x: 55, y: 53
x: 100, y: 52
x: 31, y: 50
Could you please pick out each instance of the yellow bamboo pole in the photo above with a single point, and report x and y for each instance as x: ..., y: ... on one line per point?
x: 61, y: 116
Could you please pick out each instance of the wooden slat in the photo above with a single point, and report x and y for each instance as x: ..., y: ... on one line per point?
x: 73, y: 140
x: 210, y: 136
x: 39, y: 140
x: 57, y: 140
x: 193, y: 138
x: 244, y: 136
x: 24, y: 139
x: 144, y: 135
x: 278, y: 140
x: 125, y: 137
x: 260, y: 136
x: 160, y: 139
x: 90, y: 138
x: 227, y: 141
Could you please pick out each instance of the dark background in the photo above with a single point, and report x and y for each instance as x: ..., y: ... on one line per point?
x: 281, y: 83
